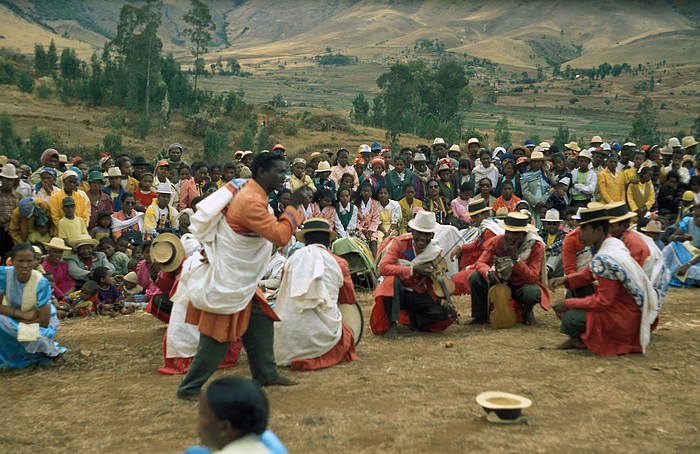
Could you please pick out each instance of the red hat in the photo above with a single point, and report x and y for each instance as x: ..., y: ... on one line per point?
x: 279, y: 145
x: 378, y: 160
x: 359, y: 159
x: 520, y: 160
x: 645, y: 148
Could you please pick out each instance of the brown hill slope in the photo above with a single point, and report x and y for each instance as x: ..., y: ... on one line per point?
x: 518, y: 33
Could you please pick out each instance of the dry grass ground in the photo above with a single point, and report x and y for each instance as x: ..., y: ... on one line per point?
x: 412, y: 395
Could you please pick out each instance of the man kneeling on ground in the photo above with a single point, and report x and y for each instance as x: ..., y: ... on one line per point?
x: 518, y: 259
x: 405, y: 294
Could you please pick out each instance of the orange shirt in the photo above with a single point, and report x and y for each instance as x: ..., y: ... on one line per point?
x: 500, y: 202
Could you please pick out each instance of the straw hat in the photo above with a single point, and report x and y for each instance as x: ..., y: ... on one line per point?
x: 438, y: 141
x: 323, y: 166
x: 315, y: 225
x: 167, y: 250
x: 62, y: 159
x: 56, y: 243
x: 573, y: 146
x: 517, y: 222
x: 586, y: 154
x: 501, y: 213
x: 598, y: 213
x: 476, y: 207
x: 298, y: 161
x: 9, y: 171
x: 551, y: 216
x: 82, y: 240
x: 596, y: 139
x: 619, y: 212
x: 688, y: 141
x: 544, y: 146
x: 518, y: 147
x: 114, y: 172
x: 456, y: 148
x: 424, y: 222
x: 364, y: 148
x: 653, y: 227
x: 246, y: 153
x: 537, y: 156
x: 502, y: 407
x: 131, y: 277
x: 237, y: 154
x: 473, y: 140
x: 419, y: 157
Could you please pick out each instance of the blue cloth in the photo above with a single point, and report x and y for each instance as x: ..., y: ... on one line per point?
x: 18, y: 355
x: 117, y: 200
x: 268, y: 438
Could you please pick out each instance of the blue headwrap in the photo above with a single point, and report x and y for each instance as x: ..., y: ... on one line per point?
x: 79, y: 172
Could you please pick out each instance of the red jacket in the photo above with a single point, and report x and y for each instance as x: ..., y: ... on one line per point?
x: 571, y: 246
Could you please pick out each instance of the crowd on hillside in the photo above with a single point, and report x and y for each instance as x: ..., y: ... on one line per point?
x: 90, y: 225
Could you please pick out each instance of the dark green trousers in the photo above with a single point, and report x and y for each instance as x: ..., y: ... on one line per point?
x: 573, y: 323
x: 258, y: 343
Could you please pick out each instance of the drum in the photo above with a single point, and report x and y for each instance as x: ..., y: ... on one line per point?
x: 352, y: 316
x: 503, y: 315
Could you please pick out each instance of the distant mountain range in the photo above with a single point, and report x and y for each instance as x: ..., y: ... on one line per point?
x: 518, y: 33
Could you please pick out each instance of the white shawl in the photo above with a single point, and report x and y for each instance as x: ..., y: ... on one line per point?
x: 307, y: 303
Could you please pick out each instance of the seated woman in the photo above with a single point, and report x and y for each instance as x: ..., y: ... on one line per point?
x: 435, y: 203
x: 367, y: 215
x: 28, y: 321
x: 682, y: 255
x: 389, y: 215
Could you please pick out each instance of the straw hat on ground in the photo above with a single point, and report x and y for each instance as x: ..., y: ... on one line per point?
x: 502, y: 407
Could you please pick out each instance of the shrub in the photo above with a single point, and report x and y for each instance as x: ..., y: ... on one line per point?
x: 573, y: 100
x: 43, y: 91
x: 326, y: 121
x: 25, y: 82
x: 112, y: 143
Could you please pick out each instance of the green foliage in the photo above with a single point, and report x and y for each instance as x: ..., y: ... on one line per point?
x: 144, y: 126
x: 360, y: 109
x: 471, y: 132
x: 501, y: 133
x: 214, y: 145
x: 644, y: 126
x: 428, y: 45
x: 197, y: 124
x: 10, y: 144
x: 112, y: 143
x: 264, y: 140
x: 51, y: 57
x: 43, y: 91
x: 70, y: 65
x: 491, y: 97
x: 695, y: 129
x: 39, y: 140
x: 290, y: 129
x: 573, y: 100
x: 8, y: 73
x: 535, y: 138
x: 41, y: 67
x: 561, y: 137
x: 200, y: 24
x: 25, y: 82
x: 335, y: 60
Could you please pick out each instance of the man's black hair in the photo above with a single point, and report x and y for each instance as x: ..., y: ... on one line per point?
x: 264, y: 161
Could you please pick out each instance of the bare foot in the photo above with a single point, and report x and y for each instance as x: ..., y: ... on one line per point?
x: 391, y: 333
x: 281, y: 381
x: 572, y: 343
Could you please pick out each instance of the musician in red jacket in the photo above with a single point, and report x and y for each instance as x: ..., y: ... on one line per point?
x: 406, y: 295
x: 518, y: 256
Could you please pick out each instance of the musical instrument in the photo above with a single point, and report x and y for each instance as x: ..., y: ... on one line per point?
x: 352, y: 316
x: 443, y: 286
x: 503, y: 315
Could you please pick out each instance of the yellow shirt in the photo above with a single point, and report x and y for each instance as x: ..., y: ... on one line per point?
x: 612, y: 188
x: 82, y: 208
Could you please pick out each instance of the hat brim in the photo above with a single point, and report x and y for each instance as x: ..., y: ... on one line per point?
x: 412, y: 225
x: 176, y: 261
x: 301, y: 234
x: 60, y: 248
x: 515, y: 228
x: 690, y: 145
x: 472, y: 213
x: 601, y: 218
x: 91, y: 242
x: 624, y: 217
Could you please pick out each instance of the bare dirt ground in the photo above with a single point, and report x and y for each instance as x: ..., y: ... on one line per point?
x: 411, y: 395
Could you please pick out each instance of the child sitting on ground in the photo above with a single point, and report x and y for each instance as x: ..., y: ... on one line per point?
x: 130, y: 287
x: 109, y: 298
x: 116, y: 258
x: 80, y: 303
x: 324, y: 201
x: 102, y: 229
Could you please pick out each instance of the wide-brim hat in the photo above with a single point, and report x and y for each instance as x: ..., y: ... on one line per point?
x: 167, y: 250
x: 246, y: 153
x: 517, y: 222
x: 164, y: 188
x: 95, y: 176
x: 9, y: 171
x: 673, y: 142
x: 619, y: 211
x: 438, y: 141
x: 653, y: 227
x: 57, y: 243
x: 323, y: 166
x: 476, y: 207
x: 501, y: 213
x: 315, y: 225
x: 596, y: 139
x: 419, y: 157
x: 551, y: 216
x: 456, y: 148
x: 139, y: 161
x: 537, y: 156
x: 597, y: 213
x: 518, y: 147
x: 473, y: 140
x: 573, y: 146
x: 688, y: 141
x: 82, y: 240
x: 502, y: 407
x: 114, y: 172
x: 424, y: 222
x: 586, y: 154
